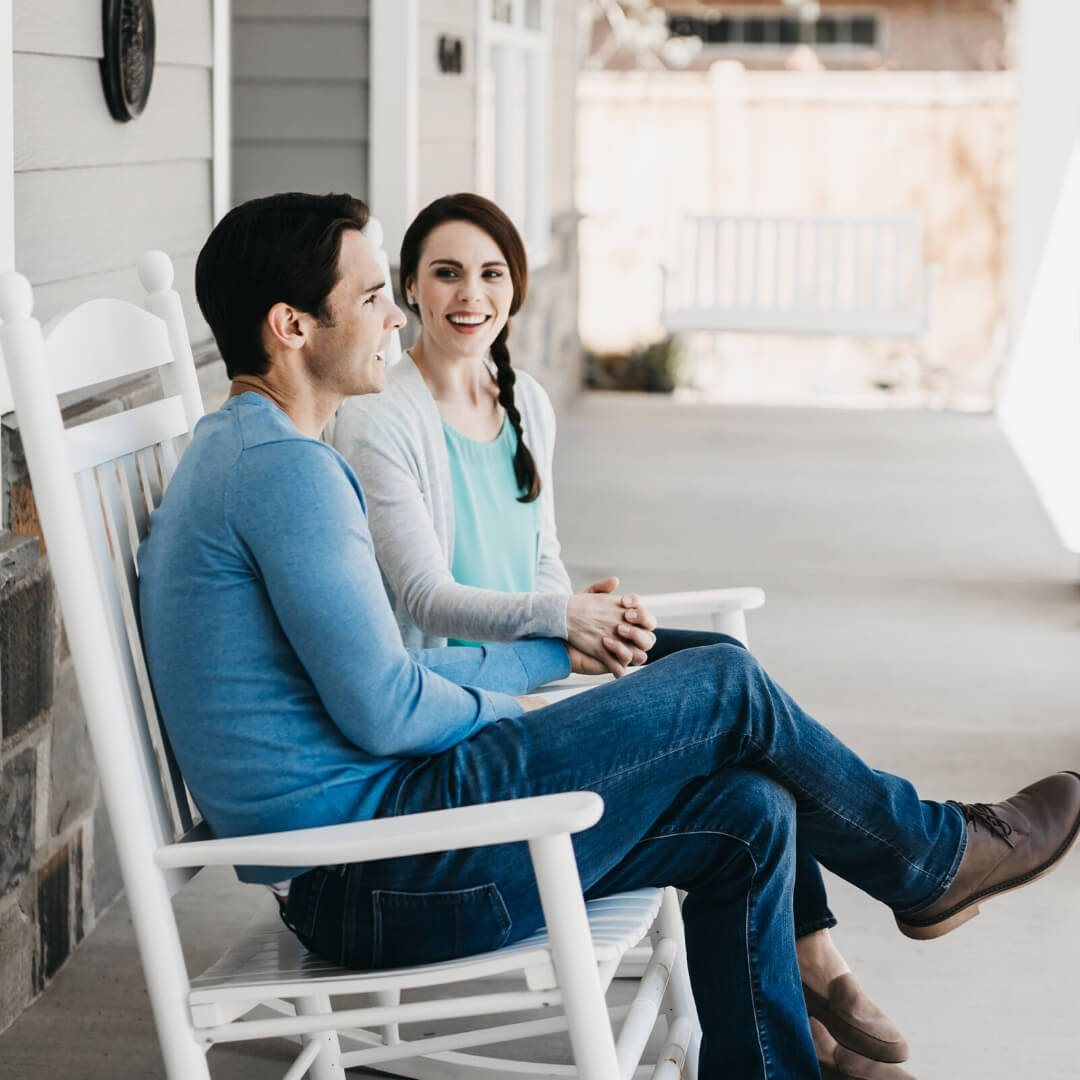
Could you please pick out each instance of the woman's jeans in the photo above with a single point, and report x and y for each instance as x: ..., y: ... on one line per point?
x: 810, y: 904
x: 707, y: 768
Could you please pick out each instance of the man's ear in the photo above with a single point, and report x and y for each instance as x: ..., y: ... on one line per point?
x: 286, y: 326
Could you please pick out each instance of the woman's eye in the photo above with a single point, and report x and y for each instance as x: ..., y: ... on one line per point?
x: 445, y: 272
x: 493, y: 275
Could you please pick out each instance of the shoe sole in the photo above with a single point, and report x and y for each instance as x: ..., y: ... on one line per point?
x: 942, y: 925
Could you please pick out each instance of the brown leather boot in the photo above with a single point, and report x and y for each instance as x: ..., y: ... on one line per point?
x: 1010, y: 844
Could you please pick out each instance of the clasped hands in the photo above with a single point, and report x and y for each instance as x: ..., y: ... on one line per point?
x: 606, y: 632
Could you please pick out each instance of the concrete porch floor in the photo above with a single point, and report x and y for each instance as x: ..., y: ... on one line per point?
x: 918, y: 603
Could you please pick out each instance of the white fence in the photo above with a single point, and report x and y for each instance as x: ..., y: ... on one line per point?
x: 800, y: 275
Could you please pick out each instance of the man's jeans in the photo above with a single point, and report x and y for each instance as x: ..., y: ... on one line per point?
x: 706, y: 768
x: 810, y: 905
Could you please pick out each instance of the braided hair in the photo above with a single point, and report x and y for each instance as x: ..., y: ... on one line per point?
x: 483, y: 213
x: 525, y: 471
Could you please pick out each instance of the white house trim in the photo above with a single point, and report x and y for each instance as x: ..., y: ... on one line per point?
x: 393, y: 148
x: 522, y: 183
x: 483, y: 120
x: 222, y: 109
x: 538, y: 220
x: 7, y: 167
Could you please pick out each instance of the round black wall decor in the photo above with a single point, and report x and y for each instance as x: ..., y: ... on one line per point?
x: 128, y: 66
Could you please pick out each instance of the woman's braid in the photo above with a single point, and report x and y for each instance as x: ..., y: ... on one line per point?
x: 528, y: 479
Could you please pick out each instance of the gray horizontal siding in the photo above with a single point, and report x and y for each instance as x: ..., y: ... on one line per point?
x: 300, y: 96
x: 73, y: 28
x: 262, y: 169
x: 52, y: 133
x: 91, y: 194
x: 312, y: 9
x: 307, y: 112
x: 329, y: 50
x: 79, y: 222
x: 61, y: 296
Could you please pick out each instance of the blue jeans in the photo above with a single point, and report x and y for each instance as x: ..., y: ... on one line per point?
x: 707, y: 769
x: 810, y: 906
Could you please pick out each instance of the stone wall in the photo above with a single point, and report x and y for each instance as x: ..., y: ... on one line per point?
x: 58, y: 865
x: 58, y: 870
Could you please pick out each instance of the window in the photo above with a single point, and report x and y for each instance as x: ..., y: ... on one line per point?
x: 745, y: 30
x: 513, y: 159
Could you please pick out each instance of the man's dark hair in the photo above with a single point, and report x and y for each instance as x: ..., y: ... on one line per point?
x: 278, y: 249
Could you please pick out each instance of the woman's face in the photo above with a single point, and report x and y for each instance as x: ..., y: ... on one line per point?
x: 463, y: 290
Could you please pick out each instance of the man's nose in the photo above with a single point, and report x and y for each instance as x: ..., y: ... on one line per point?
x: 396, y: 318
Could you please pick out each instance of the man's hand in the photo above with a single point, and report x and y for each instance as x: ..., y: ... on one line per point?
x: 532, y: 701
x: 605, y: 632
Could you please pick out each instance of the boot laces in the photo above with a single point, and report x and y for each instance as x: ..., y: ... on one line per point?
x: 984, y: 814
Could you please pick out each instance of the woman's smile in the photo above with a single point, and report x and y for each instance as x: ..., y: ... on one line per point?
x: 468, y: 322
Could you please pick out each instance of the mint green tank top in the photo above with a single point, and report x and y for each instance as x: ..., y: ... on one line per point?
x: 496, y: 538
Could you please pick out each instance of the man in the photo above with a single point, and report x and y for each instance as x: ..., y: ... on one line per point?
x: 291, y: 702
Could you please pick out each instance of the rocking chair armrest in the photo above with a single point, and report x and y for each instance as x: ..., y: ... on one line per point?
x: 384, y: 838
x: 704, y: 601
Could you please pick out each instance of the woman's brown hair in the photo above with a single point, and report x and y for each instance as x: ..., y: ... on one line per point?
x: 484, y: 214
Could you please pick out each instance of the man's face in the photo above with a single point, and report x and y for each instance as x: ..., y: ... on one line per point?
x: 345, y: 354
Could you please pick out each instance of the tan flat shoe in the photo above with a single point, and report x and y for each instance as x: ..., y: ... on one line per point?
x: 856, y: 1022
x: 851, y: 1066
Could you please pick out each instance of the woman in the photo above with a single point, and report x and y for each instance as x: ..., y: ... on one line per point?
x: 455, y: 460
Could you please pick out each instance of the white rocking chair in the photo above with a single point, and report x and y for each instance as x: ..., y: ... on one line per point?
x: 96, y: 484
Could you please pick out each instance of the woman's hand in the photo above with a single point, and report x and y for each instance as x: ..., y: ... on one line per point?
x: 605, y: 632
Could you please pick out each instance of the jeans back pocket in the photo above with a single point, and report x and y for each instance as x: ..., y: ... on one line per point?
x: 411, y: 928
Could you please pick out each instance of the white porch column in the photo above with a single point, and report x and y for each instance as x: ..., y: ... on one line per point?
x: 222, y: 109
x: 1039, y: 398
x: 511, y: 131
x: 7, y: 168
x: 393, y: 144
x: 538, y: 222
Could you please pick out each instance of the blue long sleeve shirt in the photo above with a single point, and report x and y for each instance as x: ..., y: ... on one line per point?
x: 278, y: 667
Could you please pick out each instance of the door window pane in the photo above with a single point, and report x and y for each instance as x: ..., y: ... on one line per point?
x: 534, y: 14
x: 502, y: 10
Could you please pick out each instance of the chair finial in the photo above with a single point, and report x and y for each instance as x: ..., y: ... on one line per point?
x: 16, y: 297
x: 156, y: 272
x: 373, y: 230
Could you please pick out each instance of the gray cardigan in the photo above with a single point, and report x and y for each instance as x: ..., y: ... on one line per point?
x: 394, y: 441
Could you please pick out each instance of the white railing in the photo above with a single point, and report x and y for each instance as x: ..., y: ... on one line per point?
x: 800, y: 275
